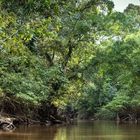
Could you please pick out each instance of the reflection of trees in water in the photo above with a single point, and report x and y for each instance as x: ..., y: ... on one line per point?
x: 61, y: 134
x: 81, y: 131
x: 93, y: 131
x: 67, y: 132
x: 31, y: 133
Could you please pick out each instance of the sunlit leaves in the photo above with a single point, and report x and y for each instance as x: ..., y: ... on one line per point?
x: 67, y: 52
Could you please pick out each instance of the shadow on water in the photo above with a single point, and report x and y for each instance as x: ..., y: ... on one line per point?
x: 81, y: 131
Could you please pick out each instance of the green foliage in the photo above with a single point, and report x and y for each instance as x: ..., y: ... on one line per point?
x: 113, y: 71
x: 77, y: 53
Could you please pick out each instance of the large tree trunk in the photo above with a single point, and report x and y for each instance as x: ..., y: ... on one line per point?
x: 118, y: 118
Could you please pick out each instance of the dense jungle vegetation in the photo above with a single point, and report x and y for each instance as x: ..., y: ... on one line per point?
x: 61, y: 59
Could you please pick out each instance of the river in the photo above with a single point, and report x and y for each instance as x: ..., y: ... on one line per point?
x: 99, y: 130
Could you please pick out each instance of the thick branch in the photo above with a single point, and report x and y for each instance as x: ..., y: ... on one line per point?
x: 49, y: 59
x: 68, y: 55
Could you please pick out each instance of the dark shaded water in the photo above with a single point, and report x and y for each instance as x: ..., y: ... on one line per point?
x: 79, y: 131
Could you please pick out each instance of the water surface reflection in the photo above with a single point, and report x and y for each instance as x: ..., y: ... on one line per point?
x: 80, y: 131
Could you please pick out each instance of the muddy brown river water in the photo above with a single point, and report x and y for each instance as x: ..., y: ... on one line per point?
x: 79, y: 131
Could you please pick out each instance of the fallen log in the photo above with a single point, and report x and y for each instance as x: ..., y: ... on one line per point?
x: 6, y: 124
